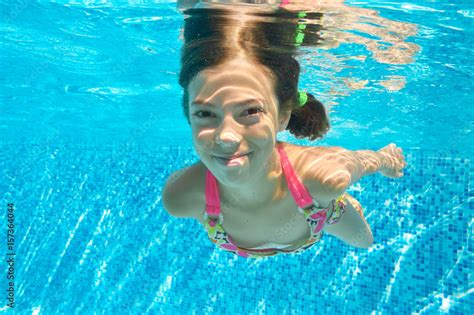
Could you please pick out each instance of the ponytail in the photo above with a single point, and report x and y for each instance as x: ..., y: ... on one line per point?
x: 309, y: 121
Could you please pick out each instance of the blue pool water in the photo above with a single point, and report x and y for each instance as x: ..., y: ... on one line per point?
x: 91, y: 127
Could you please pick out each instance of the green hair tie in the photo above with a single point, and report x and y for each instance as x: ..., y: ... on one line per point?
x: 301, y: 14
x: 299, y: 32
x: 299, y: 38
x: 303, y: 98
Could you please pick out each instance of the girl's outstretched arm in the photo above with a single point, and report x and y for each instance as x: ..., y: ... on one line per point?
x: 389, y: 161
x: 336, y: 168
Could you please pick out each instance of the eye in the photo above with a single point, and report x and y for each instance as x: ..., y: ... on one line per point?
x: 253, y: 109
x: 196, y: 114
x: 258, y: 109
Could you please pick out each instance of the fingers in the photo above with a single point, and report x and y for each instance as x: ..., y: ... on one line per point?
x: 401, y: 158
x: 398, y: 159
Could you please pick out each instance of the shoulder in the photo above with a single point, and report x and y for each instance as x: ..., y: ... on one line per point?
x: 183, y: 191
x: 322, y: 170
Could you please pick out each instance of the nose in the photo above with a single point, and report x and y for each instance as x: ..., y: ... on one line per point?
x: 228, y: 134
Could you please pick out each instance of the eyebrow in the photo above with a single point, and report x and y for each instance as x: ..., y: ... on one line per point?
x: 238, y: 104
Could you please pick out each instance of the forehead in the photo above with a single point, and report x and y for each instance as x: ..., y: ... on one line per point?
x: 234, y: 79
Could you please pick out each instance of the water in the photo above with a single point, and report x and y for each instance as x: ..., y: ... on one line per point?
x: 91, y: 126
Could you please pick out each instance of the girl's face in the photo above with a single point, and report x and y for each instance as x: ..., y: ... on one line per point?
x: 234, y: 111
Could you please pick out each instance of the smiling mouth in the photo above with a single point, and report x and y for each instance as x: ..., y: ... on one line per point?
x: 232, y: 157
x: 233, y: 161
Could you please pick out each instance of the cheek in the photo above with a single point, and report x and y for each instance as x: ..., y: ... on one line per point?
x: 202, y: 139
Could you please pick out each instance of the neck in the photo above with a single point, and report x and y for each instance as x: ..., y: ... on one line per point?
x: 264, y: 188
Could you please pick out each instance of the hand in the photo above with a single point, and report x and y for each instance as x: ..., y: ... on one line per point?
x: 393, y: 161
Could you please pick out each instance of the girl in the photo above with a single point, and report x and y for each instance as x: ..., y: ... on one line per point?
x: 254, y: 195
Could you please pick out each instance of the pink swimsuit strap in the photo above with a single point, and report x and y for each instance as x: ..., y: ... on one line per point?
x: 213, y: 201
x: 299, y: 192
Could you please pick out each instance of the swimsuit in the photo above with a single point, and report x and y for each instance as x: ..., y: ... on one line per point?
x: 315, y: 216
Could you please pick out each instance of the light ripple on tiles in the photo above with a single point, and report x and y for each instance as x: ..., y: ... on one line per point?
x: 60, y: 258
x: 100, y: 272
x: 87, y: 250
x: 410, y: 239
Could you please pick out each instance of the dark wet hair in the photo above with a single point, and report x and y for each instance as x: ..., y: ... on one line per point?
x: 267, y: 40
